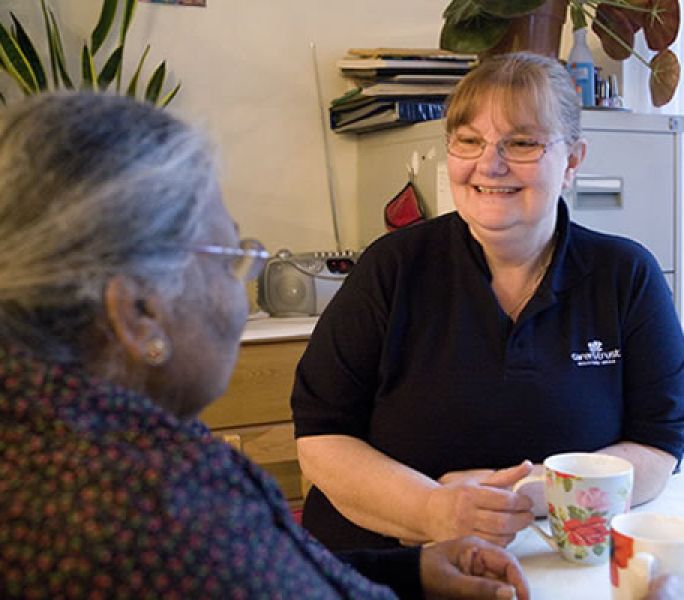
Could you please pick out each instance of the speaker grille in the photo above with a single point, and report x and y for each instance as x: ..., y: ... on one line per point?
x: 285, y: 291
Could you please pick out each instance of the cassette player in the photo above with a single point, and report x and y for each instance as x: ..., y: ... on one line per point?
x: 303, y: 283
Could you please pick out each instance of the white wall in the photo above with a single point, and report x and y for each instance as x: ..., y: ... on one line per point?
x: 247, y: 73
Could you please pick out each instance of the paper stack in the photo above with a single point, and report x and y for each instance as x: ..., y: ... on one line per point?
x: 395, y: 86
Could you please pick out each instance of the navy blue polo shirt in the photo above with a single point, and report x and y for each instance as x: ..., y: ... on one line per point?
x: 415, y: 356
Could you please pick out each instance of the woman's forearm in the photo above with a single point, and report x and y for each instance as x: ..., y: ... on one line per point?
x: 369, y: 488
x: 380, y: 494
x: 652, y: 468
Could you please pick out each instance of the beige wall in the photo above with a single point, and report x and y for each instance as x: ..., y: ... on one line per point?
x: 248, y: 78
x: 247, y: 74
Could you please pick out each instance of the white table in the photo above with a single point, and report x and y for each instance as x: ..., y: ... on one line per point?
x: 554, y: 578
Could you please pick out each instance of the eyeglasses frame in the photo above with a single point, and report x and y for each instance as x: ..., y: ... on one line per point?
x: 499, y: 150
x: 258, y: 255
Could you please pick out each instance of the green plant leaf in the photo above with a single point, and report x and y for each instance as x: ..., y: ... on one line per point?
x: 104, y: 25
x: 473, y: 35
x: 56, y: 41
x: 461, y: 10
x: 636, y: 12
x: 506, y: 8
x: 133, y: 84
x: 15, y: 62
x: 87, y: 68
x: 51, y: 48
x: 155, y: 84
x: 30, y: 53
x: 665, y: 73
x: 615, y: 31
x: 110, y: 69
x: 129, y: 11
x: 166, y: 100
x: 662, y: 24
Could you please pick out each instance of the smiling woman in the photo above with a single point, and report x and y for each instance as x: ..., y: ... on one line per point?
x: 415, y: 417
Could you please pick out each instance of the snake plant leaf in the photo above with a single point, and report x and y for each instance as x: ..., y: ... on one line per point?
x: 30, y: 53
x: 133, y: 84
x: 461, y: 10
x: 15, y: 62
x: 474, y: 35
x: 104, y: 25
x: 110, y: 69
x: 662, y: 24
x: 129, y: 11
x: 508, y: 9
x: 155, y: 83
x: 87, y: 68
x: 56, y: 42
x: 614, y: 30
x: 665, y: 73
x: 51, y: 49
x: 168, y: 97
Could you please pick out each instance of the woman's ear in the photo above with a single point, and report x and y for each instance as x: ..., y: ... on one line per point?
x: 136, y: 316
x: 576, y: 156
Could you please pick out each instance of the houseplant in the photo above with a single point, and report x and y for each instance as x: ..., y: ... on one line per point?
x: 21, y: 61
x: 477, y: 26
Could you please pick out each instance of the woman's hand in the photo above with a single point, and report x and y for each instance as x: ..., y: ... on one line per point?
x: 480, y: 503
x: 471, y: 568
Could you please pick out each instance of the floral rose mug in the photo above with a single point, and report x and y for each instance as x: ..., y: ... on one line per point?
x: 584, y: 491
x: 644, y: 546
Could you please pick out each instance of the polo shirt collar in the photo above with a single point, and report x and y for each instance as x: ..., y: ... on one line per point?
x: 568, y: 266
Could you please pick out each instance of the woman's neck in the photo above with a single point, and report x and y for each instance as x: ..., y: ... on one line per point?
x: 518, y: 271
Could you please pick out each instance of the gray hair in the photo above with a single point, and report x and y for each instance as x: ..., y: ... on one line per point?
x: 521, y: 83
x: 92, y: 185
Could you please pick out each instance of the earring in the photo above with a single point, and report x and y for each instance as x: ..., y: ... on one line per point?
x: 156, y: 352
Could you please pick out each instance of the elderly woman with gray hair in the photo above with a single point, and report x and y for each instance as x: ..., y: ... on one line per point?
x: 121, y: 307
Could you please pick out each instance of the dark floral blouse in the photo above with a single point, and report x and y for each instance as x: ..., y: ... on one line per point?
x: 105, y: 495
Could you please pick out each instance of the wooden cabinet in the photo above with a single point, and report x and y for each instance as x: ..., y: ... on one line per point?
x: 254, y: 413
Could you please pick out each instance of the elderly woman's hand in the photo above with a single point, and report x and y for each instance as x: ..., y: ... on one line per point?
x: 471, y: 568
x: 480, y: 503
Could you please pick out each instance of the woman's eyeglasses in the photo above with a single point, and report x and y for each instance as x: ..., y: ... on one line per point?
x: 245, y: 262
x: 517, y: 149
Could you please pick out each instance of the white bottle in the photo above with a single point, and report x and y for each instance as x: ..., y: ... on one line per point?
x: 581, y: 67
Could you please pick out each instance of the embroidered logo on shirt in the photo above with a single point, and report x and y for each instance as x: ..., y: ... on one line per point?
x: 596, y: 356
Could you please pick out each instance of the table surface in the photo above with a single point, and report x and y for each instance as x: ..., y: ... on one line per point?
x: 551, y: 577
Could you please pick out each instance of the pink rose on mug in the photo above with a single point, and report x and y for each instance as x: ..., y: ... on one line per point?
x: 593, y: 499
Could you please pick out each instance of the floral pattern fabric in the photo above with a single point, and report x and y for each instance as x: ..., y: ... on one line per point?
x: 105, y: 495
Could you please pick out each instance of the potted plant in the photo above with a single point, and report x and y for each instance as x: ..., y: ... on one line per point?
x: 477, y: 26
x: 20, y: 60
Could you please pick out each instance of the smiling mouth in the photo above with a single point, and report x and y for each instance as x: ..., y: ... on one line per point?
x: 496, y: 190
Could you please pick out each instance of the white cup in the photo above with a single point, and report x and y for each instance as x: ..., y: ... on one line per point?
x: 644, y: 546
x: 584, y: 491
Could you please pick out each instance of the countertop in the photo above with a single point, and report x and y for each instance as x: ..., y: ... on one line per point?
x: 262, y: 327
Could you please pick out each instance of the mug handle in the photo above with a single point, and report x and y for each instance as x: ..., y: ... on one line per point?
x: 644, y: 566
x: 547, y: 537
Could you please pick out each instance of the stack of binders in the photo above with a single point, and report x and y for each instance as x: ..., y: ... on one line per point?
x: 395, y: 86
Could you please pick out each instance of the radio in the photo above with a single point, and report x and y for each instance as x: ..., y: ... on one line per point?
x: 302, y: 284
